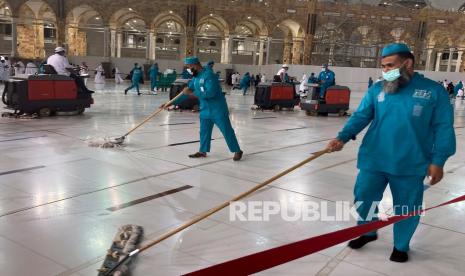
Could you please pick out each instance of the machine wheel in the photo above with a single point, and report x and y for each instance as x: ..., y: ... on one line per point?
x: 45, y: 112
x: 276, y: 108
x: 311, y: 113
x: 80, y: 110
x: 342, y: 113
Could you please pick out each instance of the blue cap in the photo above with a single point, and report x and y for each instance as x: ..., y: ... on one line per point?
x: 394, y: 49
x: 191, y: 60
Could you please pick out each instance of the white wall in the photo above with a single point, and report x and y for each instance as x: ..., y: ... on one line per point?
x: 355, y: 78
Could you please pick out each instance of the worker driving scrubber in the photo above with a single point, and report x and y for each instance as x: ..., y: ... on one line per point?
x: 327, y: 78
x: 62, y: 67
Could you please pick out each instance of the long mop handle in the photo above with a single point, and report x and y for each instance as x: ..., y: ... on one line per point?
x: 227, y: 203
x: 153, y: 114
x: 214, y: 210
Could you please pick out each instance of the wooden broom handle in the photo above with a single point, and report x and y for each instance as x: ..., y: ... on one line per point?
x: 153, y: 114
x: 227, y: 203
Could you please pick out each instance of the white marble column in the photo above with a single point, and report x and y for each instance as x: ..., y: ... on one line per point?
x: 438, y: 61
x: 261, y: 44
x: 268, y: 47
x: 223, y: 51
x: 148, y: 44
x: 153, y: 45
x: 106, y: 42
x: 113, y: 43
x: 449, y: 62
x: 14, y: 38
x: 227, y: 50
x: 428, y: 60
x: 119, y: 44
x: 459, y: 62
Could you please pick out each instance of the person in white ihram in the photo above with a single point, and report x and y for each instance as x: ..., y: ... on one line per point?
x: 99, y: 77
x: 61, y: 65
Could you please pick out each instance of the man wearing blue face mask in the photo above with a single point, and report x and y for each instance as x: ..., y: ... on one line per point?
x: 213, y: 108
x: 327, y: 78
x: 411, y: 136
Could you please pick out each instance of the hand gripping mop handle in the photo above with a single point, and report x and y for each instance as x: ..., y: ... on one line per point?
x: 218, y: 208
x: 153, y: 114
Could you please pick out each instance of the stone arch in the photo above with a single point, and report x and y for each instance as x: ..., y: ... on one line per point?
x: 211, y: 21
x: 36, y: 29
x: 5, y: 27
x: 83, y: 25
x: 132, y: 33
x: 122, y: 16
x: 169, y: 35
x: 211, y: 31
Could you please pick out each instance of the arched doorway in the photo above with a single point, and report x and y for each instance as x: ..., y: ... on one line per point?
x: 170, y: 36
x: 85, y: 32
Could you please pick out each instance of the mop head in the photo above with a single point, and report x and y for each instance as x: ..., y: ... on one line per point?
x: 105, y: 142
x: 126, y: 240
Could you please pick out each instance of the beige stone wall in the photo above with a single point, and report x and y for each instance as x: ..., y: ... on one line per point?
x: 77, y: 42
x: 442, y: 30
x: 31, y: 41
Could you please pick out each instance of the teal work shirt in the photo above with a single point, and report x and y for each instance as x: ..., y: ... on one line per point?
x: 207, y: 89
x: 136, y: 75
x: 409, y: 130
x: 328, y: 77
x: 153, y: 72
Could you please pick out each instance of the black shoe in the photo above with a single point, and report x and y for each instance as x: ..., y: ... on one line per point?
x: 238, y: 156
x: 90, y: 91
x: 198, y: 155
x: 125, y: 91
x: 138, y: 93
x: 398, y: 256
x: 361, y: 241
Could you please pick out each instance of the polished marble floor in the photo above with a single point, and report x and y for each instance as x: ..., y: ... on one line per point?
x: 55, y: 192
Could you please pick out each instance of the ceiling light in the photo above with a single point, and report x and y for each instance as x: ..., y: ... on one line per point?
x: 130, y: 9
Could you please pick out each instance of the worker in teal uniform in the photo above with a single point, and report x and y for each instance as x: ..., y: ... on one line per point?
x: 153, y: 73
x: 327, y: 79
x: 370, y: 82
x: 185, y: 75
x: 245, y: 83
x: 136, y: 78
x: 312, y: 78
x: 210, y: 64
x: 213, y: 108
x: 411, y: 136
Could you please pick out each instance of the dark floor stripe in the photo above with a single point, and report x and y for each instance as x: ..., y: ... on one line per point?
x: 185, y: 143
x: 288, y: 129
x: 175, y: 124
x: 148, y: 198
x: 258, y: 118
x: 25, y: 138
x: 22, y: 170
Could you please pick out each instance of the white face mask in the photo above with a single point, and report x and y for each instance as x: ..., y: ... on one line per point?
x: 323, y: 69
x: 189, y: 70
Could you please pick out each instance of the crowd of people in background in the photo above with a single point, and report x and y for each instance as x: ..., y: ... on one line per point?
x: 244, y: 83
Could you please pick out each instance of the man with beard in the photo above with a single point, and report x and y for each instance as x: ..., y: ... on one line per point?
x: 213, y: 108
x: 411, y: 136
